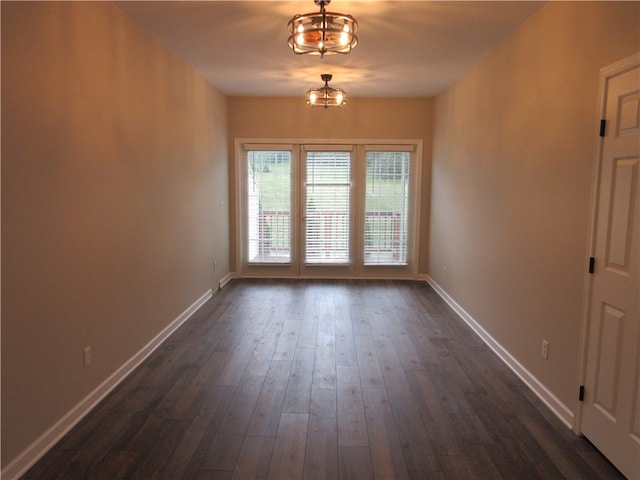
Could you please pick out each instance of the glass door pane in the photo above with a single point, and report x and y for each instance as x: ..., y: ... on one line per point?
x: 268, y: 210
x: 386, y: 208
x: 327, y: 208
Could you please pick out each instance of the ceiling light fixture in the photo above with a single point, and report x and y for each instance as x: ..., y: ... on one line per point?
x: 323, y: 32
x: 326, y: 96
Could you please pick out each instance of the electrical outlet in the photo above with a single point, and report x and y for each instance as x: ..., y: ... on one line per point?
x: 215, y: 264
x: 86, y: 354
x: 545, y: 349
x: 444, y: 269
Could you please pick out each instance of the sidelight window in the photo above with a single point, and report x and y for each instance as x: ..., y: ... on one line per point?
x: 386, y: 218
x: 268, y: 206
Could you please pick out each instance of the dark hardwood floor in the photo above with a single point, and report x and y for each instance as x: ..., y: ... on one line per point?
x: 322, y: 379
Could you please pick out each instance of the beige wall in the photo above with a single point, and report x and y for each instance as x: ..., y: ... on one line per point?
x: 360, y: 119
x: 514, y: 147
x: 114, y: 163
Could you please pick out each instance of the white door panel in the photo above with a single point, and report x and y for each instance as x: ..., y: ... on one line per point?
x: 611, y: 415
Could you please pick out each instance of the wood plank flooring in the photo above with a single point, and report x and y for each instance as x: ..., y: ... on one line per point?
x: 327, y: 380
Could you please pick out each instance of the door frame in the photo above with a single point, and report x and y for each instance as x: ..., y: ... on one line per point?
x: 297, y: 143
x: 606, y: 74
x: 288, y: 269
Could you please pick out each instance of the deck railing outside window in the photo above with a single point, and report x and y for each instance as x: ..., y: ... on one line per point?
x: 383, y: 235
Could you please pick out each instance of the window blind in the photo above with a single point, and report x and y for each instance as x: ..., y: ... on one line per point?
x: 327, y: 207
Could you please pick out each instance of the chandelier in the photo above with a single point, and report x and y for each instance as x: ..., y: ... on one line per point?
x: 322, y: 32
x: 326, y: 96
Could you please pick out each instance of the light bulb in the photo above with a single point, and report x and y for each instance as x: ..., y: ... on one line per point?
x: 312, y: 97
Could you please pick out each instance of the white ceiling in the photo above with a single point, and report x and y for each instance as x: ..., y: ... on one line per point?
x: 405, y: 49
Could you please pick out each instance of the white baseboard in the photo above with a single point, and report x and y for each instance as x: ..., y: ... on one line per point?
x: 564, y: 413
x: 226, y: 279
x: 47, y: 440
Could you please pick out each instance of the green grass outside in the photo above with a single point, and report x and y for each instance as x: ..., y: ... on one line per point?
x: 274, y: 185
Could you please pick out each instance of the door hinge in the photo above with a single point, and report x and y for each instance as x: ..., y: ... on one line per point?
x: 592, y: 264
x: 603, y: 127
x: 581, y: 393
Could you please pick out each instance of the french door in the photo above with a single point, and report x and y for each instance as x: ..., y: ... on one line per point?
x: 327, y: 228
x: 325, y: 210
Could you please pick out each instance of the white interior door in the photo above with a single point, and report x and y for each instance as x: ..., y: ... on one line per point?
x: 611, y: 413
